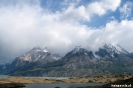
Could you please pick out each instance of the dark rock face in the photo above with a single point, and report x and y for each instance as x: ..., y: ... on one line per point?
x: 78, y: 59
x: 77, y: 63
x: 102, y: 53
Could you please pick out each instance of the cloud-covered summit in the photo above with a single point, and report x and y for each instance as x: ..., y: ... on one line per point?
x: 62, y: 25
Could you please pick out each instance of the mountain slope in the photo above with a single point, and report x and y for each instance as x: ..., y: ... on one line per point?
x: 78, y: 57
x: 111, y: 50
x: 77, y: 63
x: 114, y: 59
x: 31, y: 59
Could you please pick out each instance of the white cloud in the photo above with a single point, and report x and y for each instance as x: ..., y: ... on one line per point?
x: 110, y: 4
x: 101, y: 8
x: 96, y: 8
x: 72, y: 14
x: 23, y: 28
x: 115, y: 33
x: 26, y: 26
x: 70, y: 2
x: 85, y: 13
x: 126, y: 10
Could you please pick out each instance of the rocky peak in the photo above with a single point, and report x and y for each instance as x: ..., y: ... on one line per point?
x: 111, y: 51
x: 79, y: 53
x: 76, y: 49
x: 38, y: 49
x: 114, y: 49
x: 79, y: 50
x: 46, y: 50
x: 35, y: 54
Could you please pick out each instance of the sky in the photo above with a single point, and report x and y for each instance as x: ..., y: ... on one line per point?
x: 61, y: 25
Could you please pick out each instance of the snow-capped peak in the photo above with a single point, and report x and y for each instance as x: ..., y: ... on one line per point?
x: 75, y: 50
x: 114, y: 49
x: 35, y: 54
x: 45, y: 50
x: 119, y: 48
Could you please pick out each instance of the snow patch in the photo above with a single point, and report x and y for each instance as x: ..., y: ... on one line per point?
x: 75, y: 50
x: 85, y: 53
x: 119, y: 48
x: 35, y: 54
x: 45, y: 49
x: 96, y: 56
x: 114, y: 49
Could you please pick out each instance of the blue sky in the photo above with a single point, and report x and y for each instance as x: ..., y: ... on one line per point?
x: 61, y: 25
x: 56, y: 5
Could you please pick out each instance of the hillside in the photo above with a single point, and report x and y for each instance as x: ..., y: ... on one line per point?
x: 77, y: 63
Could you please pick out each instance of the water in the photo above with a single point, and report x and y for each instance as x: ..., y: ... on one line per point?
x: 63, y: 85
x: 49, y: 77
x: 4, y: 76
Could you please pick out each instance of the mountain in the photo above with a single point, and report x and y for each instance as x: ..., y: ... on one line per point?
x: 116, y: 49
x: 79, y: 62
x: 115, y: 59
x: 37, y: 54
x: 111, y: 50
x: 78, y: 57
x: 35, y: 57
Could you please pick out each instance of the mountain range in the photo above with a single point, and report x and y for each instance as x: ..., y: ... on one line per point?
x: 79, y: 62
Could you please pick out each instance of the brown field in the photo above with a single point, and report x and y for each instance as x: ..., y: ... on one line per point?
x: 96, y: 79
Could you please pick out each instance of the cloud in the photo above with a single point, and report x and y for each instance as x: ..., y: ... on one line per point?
x: 110, y: 4
x: 115, y: 33
x: 24, y: 26
x: 126, y: 10
x: 84, y: 13
x: 72, y: 14
x: 70, y: 2
x: 101, y: 8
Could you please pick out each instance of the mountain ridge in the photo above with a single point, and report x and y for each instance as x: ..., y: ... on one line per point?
x: 79, y: 62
